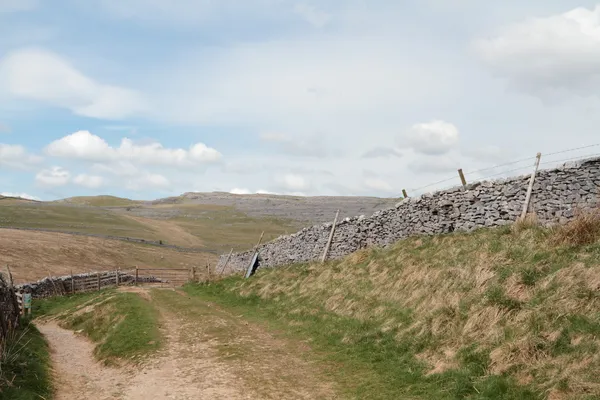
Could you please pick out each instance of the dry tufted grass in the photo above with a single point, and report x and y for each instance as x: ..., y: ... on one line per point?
x: 584, y: 229
x: 526, y: 301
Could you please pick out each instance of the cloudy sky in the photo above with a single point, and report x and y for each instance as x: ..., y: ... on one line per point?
x: 150, y: 98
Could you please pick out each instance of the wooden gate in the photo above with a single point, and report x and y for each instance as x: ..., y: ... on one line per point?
x: 164, y: 276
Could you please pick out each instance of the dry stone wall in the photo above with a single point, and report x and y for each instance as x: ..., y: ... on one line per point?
x: 556, y: 194
x: 62, y: 285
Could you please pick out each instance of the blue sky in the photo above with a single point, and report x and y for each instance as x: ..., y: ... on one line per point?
x: 151, y: 98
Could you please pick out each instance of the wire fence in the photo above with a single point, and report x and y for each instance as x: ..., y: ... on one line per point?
x: 523, y: 165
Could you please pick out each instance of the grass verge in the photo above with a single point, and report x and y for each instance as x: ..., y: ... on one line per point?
x: 495, y: 314
x: 125, y: 326
x: 25, y: 366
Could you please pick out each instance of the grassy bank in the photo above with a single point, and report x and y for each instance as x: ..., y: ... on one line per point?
x: 25, y: 366
x: 496, y: 314
x: 125, y: 326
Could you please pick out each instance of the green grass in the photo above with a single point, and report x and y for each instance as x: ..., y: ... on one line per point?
x: 25, y: 366
x: 102, y: 201
x: 125, y: 326
x: 496, y: 314
x: 70, y: 218
x: 222, y: 228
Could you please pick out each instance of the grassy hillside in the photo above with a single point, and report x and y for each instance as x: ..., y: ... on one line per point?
x: 70, y: 218
x: 496, y: 314
x: 101, y: 201
x: 215, y: 228
x: 34, y: 255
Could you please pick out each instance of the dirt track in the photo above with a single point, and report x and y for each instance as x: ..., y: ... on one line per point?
x: 209, y: 354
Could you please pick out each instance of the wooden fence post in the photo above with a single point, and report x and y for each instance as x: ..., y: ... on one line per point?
x: 226, y: 261
x: 117, y: 277
x: 208, y: 271
x: 136, y: 275
x: 72, y: 283
x: 13, y: 293
x: 9, y: 276
x: 404, y: 193
x: 53, y: 284
x: 249, y: 270
x: 530, y: 187
x: 324, y: 256
x: 98, y: 276
x: 462, y: 178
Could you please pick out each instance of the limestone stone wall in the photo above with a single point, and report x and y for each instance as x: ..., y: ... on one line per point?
x: 557, y: 193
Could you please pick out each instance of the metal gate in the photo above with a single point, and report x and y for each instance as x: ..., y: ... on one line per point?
x: 163, y: 276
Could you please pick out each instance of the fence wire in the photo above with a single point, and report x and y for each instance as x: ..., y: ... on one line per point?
x: 528, y: 166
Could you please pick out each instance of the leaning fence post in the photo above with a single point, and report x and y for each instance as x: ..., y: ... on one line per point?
x: 226, y: 261
x: 13, y: 294
x: 462, y: 178
x: 254, y: 257
x: 530, y: 187
x: 10, y: 277
x: 324, y: 256
x: 404, y: 193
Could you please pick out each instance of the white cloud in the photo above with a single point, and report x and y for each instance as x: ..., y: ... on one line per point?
x: 294, y: 182
x: 312, y: 14
x: 378, y: 184
x: 21, y: 195
x: 16, y: 156
x: 239, y: 191
x: 382, y: 152
x: 85, y: 146
x: 55, y: 176
x: 541, y: 55
x: 40, y: 75
x: 432, y: 138
x: 89, y: 181
x: 81, y: 145
x: 247, y: 191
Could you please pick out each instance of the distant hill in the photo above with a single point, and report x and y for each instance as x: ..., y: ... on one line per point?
x: 307, y: 210
x: 15, y: 200
x: 100, y: 201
